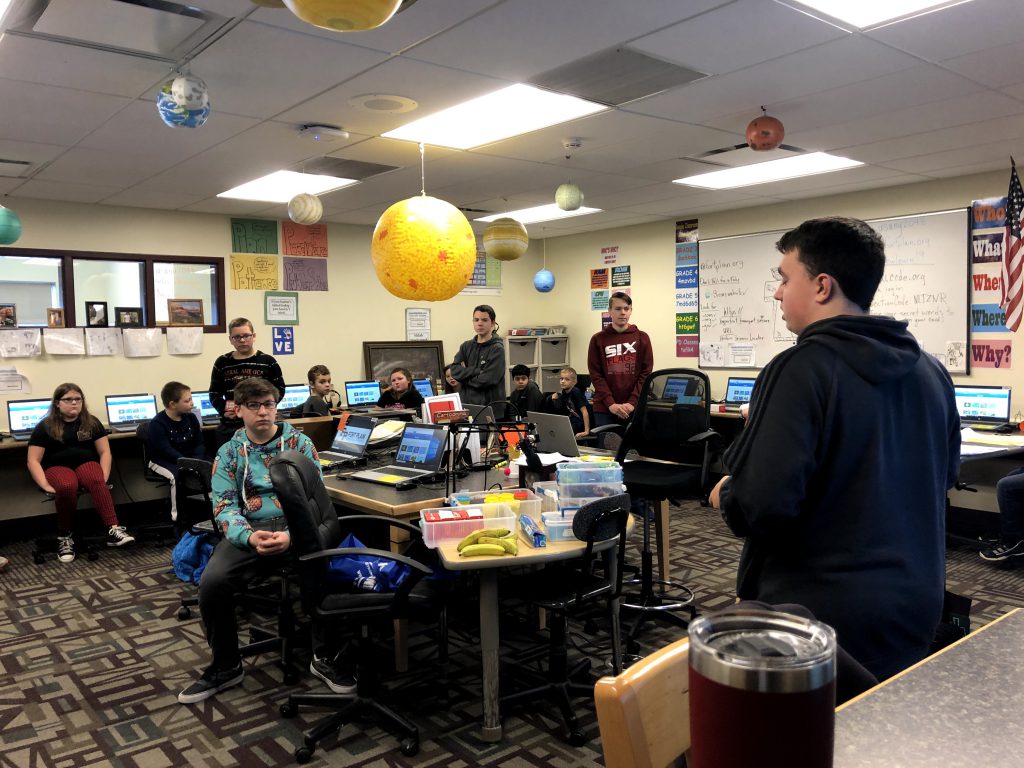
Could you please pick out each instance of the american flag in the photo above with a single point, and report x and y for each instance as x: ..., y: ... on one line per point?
x: 1013, y: 253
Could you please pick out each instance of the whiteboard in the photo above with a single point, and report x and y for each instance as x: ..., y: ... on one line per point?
x: 926, y: 282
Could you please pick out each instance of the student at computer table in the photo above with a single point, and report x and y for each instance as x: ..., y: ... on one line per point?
x: 69, y: 450
x: 571, y: 402
x: 174, y: 433
x: 322, y: 397
x: 400, y: 393
x: 525, y: 395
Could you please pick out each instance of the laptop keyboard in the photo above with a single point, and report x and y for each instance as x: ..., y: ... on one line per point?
x: 399, y: 471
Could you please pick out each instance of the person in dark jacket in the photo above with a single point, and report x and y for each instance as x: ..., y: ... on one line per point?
x: 839, y: 480
x: 401, y: 393
x: 526, y: 396
x: 174, y: 433
x: 479, y: 365
x: 322, y: 397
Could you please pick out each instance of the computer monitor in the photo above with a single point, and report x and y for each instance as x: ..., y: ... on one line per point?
x: 424, y: 387
x: 738, y: 390
x: 294, y: 396
x: 983, y: 404
x: 422, y: 446
x: 362, y: 392
x: 201, y: 400
x: 130, y: 409
x: 23, y: 415
x: 683, y: 390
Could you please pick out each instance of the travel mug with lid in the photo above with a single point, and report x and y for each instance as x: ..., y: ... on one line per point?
x: 762, y: 689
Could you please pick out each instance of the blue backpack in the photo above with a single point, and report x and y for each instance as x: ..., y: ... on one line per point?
x: 190, y: 556
x: 366, y: 573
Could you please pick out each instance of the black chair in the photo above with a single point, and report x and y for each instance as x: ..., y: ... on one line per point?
x: 159, y: 530
x: 272, y: 595
x: 336, y: 609
x: 671, y: 432
x: 565, y: 590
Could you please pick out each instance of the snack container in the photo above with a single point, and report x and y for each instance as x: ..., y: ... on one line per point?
x: 559, y: 528
x: 547, y: 492
x: 455, y: 523
x: 497, y: 503
x: 589, y: 490
x: 588, y: 472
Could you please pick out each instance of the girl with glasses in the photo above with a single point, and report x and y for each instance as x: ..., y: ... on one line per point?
x: 69, y: 451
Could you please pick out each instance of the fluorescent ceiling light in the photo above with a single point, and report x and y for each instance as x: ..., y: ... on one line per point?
x: 774, y: 170
x: 869, y: 13
x: 509, y: 112
x: 282, y: 186
x: 548, y: 212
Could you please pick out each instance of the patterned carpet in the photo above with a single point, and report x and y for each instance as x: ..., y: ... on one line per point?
x: 92, y: 657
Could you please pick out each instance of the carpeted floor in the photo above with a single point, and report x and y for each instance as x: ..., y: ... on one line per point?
x: 92, y: 657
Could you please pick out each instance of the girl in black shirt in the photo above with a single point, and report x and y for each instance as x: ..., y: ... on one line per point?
x: 401, y: 393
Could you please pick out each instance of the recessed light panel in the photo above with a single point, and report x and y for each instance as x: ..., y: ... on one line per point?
x: 872, y: 13
x: 540, y: 213
x: 282, y: 186
x: 774, y: 170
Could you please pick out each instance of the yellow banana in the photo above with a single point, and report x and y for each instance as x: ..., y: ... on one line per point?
x: 477, y: 550
x: 508, y: 543
x: 475, y: 536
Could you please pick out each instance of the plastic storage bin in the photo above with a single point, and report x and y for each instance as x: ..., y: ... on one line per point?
x: 558, y: 528
x: 515, y: 501
x: 548, y: 494
x: 588, y: 472
x: 451, y: 528
x: 589, y: 490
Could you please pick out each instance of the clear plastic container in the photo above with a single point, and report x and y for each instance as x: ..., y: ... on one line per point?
x: 497, y: 515
x: 588, y: 472
x: 567, y: 505
x: 589, y: 490
x: 494, y: 502
x: 558, y: 528
x: 547, y: 491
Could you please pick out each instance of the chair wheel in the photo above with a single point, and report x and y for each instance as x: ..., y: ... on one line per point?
x: 576, y: 739
x: 289, y: 710
x: 410, y: 747
x: 303, y: 755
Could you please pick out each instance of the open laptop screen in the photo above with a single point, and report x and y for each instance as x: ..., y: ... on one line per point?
x: 424, y: 387
x: 362, y: 392
x: 23, y: 415
x: 353, y: 436
x: 294, y: 396
x: 682, y: 389
x: 983, y: 405
x: 201, y: 400
x: 422, y: 446
x: 130, y: 409
x: 738, y: 390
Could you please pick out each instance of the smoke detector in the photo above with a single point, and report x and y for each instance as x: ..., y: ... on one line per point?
x: 573, y: 142
x: 322, y: 132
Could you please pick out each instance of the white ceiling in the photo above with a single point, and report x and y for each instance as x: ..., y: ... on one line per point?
x: 938, y: 96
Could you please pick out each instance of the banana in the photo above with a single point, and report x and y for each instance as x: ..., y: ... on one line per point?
x: 475, y: 536
x: 508, y: 543
x: 477, y: 550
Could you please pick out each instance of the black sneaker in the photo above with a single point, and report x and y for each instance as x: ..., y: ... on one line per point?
x: 213, y: 681
x: 117, y: 536
x: 1004, y: 550
x: 65, y: 549
x: 332, y: 673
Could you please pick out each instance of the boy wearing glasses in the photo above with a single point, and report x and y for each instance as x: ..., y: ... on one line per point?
x: 249, y: 517
x: 245, y: 362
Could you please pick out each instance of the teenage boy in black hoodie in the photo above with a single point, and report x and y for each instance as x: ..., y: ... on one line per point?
x: 839, y: 480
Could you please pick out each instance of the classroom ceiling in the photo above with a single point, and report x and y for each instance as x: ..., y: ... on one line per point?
x: 937, y: 96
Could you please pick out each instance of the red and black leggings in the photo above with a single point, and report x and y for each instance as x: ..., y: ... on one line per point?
x: 66, y: 483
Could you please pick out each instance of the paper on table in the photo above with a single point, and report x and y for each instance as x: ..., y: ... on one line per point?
x: 64, y: 341
x: 13, y: 383
x: 968, y: 435
x: 184, y: 341
x: 970, y: 449
x: 386, y: 430
x: 143, y: 342
x: 20, y: 342
x: 546, y: 459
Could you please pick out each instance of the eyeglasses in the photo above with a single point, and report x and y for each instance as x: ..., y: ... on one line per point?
x: 241, y: 336
x: 71, y: 400
x: 270, y: 405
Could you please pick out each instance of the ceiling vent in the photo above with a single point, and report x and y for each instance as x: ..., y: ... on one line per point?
x: 345, y: 169
x: 17, y: 169
x: 615, y: 77
x: 740, y: 154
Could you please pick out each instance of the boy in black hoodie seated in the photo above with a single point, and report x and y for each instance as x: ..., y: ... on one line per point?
x: 571, y: 402
x: 526, y: 396
x: 174, y: 433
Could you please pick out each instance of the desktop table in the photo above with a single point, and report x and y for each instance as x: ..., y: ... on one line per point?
x: 488, y: 567
x: 959, y: 708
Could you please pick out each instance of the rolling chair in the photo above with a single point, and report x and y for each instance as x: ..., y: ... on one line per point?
x: 671, y: 432
x: 336, y: 609
x: 563, y: 591
x: 157, y: 531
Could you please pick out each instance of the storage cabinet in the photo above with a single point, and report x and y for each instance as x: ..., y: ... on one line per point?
x: 544, y: 355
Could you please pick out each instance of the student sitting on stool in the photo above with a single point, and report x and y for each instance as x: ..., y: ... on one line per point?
x: 174, y: 433
x: 69, y: 450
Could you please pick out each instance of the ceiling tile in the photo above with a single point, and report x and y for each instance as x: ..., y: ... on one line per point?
x: 62, y: 190
x: 993, y: 67
x: 990, y: 156
x: 942, y: 140
x: 152, y: 197
x: 51, y: 115
x: 113, y: 169
x: 965, y: 28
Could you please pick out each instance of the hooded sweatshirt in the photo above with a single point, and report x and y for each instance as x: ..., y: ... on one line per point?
x: 243, y: 495
x: 619, y: 364
x: 839, y: 485
x: 480, y: 369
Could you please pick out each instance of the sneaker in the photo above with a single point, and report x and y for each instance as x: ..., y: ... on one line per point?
x: 1004, y: 550
x: 4, y: 562
x: 213, y: 681
x: 330, y: 671
x: 65, y: 549
x: 117, y: 536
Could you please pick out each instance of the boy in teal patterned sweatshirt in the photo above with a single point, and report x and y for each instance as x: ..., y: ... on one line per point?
x: 254, y: 527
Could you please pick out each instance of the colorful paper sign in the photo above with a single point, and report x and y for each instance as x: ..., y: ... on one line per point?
x: 620, y: 276
x: 991, y: 354
x: 687, y: 346
x: 253, y: 236
x: 988, y: 318
x: 305, y: 274
x: 598, y: 279
x: 303, y: 239
x: 284, y: 340
x: 687, y: 323
x: 254, y: 272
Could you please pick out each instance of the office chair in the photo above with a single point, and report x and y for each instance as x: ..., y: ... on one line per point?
x: 670, y: 430
x: 272, y: 595
x: 155, y: 530
x: 563, y: 590
x: 644, y: 713
x: 335, y: 609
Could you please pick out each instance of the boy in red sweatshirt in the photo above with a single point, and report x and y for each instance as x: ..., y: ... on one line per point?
x: 619, y: 361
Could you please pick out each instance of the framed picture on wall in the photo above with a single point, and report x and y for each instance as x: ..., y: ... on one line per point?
x: 128, y: 317
x: 96, y: 314
x: 54, y: 317
x: 424, y: 359
x: 8, y: 315
x: 185, y: 312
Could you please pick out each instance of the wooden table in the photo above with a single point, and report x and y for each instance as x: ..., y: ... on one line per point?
x: 961, y: 708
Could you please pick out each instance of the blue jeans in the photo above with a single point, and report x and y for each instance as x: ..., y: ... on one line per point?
x: 1010, y: 496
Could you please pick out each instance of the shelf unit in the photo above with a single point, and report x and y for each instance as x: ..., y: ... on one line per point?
x: 544, y: 355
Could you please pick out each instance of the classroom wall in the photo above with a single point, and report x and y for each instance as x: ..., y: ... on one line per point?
x: 334, y: 324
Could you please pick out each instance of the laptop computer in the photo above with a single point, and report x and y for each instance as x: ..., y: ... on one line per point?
x: 424, y: 387
x: 737, y: 392
x: 126, y: 412
x: 23, y: 415
x: 420, y: 453
x: 983, y: 407
x: 203, y: 408
x: 293, y: 398
x: 362, y: 395
x: 685, y: 390
x: 349, y: 442
x: 554, y: 433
